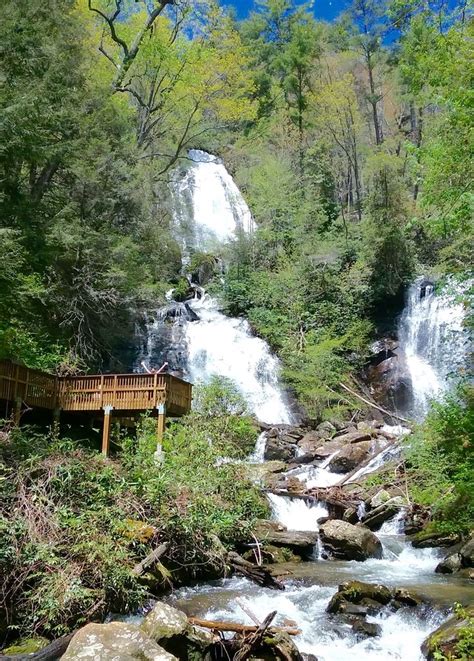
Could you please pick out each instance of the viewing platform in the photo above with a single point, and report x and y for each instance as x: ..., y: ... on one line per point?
x: 126, y: 394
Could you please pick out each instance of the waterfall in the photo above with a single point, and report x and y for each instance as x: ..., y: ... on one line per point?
x: 296, y: 513
x: 433, y: 341
x: 195, y: 337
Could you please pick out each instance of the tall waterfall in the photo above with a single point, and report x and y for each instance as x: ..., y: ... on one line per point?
x: 433, y: 340
x: 195, y: 337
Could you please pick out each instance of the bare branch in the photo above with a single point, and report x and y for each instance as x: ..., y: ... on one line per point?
x: 110, y: 20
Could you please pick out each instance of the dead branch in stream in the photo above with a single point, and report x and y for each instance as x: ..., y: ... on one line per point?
x: 252, y: 642
x: 259, y: 575
x: 234, y: 627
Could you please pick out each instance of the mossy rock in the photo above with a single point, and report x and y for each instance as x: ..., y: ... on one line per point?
x: 26, y: 646
x: 453, y: 640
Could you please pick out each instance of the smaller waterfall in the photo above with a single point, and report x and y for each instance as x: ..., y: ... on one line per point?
x: 258, y: 455
x: 433, y: 340
x: 297, y: 513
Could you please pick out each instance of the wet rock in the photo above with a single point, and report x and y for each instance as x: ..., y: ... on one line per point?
x: 358, y: 598
x: 322, y: 452
x: 169, y: 627
x: 112, y: 641
x: 301, y: 543
x: 309, y: 657
x: 444, y: 642
x: 376, y: 517
x: 425, y: 540
x: 350, y: 515
x: 349, y: 457
x: 303, y: 459
x: 356, y: 437
x: 415, y: 519
x: 366, y: 629
x: 272, y: 555
x: 310, y: 441
x: 279, y: 449
x: 467, y: 553
x: 279, y: 647
x: 451, y: 564
x: 348, y: 542
x: 407, y: 597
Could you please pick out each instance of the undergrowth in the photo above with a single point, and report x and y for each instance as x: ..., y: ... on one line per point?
x: 74, y: 524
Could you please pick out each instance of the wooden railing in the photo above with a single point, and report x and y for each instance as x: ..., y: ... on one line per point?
x: 123, y: 392
x: 36, y: 388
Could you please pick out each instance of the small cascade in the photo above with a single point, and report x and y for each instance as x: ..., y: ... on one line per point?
x: 393, y: 526
x: 433, y: 341
x: 258, y: 455
x: 296, y: 513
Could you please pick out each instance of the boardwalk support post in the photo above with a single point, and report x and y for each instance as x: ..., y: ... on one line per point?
x: 17, y: 411
x: 56, y: 421
x: 106, y: 431
x: 160, y: 422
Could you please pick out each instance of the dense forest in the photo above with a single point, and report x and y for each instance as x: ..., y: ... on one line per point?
x: 351, y: 142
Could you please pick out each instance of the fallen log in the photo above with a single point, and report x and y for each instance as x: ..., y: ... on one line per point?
x: 256, y: 573
x: 234, y: 627
x: 151, y: 559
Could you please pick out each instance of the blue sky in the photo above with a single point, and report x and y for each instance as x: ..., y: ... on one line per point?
x: 325, y: 9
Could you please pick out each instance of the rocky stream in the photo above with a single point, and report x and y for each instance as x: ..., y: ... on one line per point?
x: 359, y: 582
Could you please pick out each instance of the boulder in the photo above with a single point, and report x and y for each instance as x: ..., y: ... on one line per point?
x: 453, y: 639
x: 326, y: 428
x: 280, y: 450
x: 350, y: 457
x: 278, y: 647
x: 348, y: 542
x: 355, y: 436
x: 112, y: 641
x: 451, y: 564
x: 272, y: 555
x: 310, y: 441
x: 301, y: 543
x: 322, y: 452
x: 169, y: 627
x: 364, y: 595
x: 467, y: 553
x: 376, y: 517
x: 366, y: 629
x: 425, y: 540
x: 355, y: 598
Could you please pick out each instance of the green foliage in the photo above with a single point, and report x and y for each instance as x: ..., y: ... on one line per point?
x: 73, y: 524
x: 440, y: 462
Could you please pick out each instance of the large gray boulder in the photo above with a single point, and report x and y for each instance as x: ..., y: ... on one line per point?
x: 350, y: 457
x: 467, y: 553
x: 377, y: 516
x: 112, y: 642
x: 300, y: 543
x: 344, y: 541
x: 169, y: 627
x: 279, y: 449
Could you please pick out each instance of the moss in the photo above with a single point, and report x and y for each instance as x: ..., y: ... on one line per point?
x: 26, y: 646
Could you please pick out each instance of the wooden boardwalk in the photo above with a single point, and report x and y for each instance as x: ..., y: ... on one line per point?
x: 127, y: 394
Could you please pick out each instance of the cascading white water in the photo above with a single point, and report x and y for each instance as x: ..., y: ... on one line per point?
x: 433, y: 340
x: 198, y: 339
x: 208, y: 208
x: 222, y: 345
x: 296, y: 513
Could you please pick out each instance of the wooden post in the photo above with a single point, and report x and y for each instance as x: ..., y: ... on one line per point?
x: 160, y: 422
x: 106, y: 431
x: 17, y: 412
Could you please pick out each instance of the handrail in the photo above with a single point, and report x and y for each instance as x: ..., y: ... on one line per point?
x: 94, y: 391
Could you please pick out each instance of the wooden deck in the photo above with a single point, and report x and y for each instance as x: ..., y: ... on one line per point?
x: 124, y: 393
